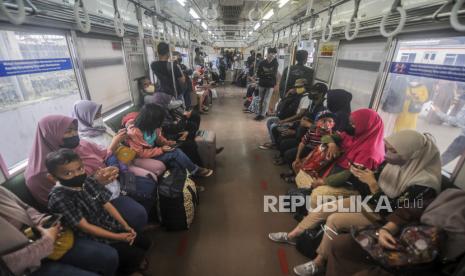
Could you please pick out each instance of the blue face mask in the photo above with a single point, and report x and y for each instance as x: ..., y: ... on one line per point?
x: 71, y: 142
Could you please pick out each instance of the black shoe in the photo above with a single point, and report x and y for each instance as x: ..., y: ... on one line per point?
x: 259, y: 118
x: 219, y: 150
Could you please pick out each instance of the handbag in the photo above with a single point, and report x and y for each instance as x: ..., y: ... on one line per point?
x: 308, y: 242
x: 125, y: 154
x: 316, y: 161
x: 416, y: 245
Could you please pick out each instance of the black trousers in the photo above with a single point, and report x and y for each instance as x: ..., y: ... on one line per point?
x: 131, y: 256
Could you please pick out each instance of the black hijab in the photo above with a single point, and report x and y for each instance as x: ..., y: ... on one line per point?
x: 338, y: 102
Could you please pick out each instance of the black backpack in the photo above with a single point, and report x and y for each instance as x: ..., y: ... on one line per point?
x: 309, y: 240
x: 288, y: 106
x: 177, y: 198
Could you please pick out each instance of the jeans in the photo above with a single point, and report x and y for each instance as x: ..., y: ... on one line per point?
x: 271, y: 123
x: 177, y: 158
x: 265, y: 98
x: 253, y: 107
x: 454, y: 150
x: 132, y: 211
x: 91, y: 255
x: 55, y: 268
x: 131, y: 256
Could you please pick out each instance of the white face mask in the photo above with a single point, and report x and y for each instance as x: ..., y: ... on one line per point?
x: 98, y: 122
x: 150, y: 89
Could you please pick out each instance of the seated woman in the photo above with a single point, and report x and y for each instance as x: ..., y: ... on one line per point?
x: 92, y: 128
x: 21, y: 256
x: 57, y: 131
x: 87, y: 210
x: 146, y: 139
x: 202, y: 88
x: 412, y: 170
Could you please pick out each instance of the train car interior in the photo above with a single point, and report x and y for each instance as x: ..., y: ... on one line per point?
x: 232, y: 137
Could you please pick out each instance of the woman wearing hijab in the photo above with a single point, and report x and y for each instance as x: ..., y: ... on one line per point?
x: 412, y: 170
x: 57, y: 131
x: 22, y: 256
x: 92, y: 128
x: 338, y: 102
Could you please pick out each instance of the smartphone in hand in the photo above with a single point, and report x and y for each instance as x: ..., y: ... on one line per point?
x: 52, y: 221
x: 358, y: 166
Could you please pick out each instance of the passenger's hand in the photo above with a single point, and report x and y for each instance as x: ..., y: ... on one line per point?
x: 120, y: 136
x: 318, y: 182
x: 125, y: 237
x: 386, y: 240
x: 167, y: 148
x: 187, y: 114
x: 333, y: 151
x: 170, y: 143
x: 288, y: 132
x: 184, y: 135
x: 366, y: 176
x: 434, y: 108
x: 51, y: 232
x: 106, y: 175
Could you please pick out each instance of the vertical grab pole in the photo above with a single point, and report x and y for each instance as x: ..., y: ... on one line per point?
x: 290, y: 58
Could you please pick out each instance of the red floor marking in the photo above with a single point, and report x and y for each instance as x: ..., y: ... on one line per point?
x: 264, y: 185
x: 283, y: 261
x: 182, y: 246
x: 257, y: 157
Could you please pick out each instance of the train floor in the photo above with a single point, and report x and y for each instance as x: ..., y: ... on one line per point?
x: 229, y: 236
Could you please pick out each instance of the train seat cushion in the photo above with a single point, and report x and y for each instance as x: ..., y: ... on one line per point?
x: 17, y: 185
x: 115, y: 122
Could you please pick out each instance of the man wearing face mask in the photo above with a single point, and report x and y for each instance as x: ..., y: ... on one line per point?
x: 171, y: 80
x: 416, y: 95
x: 290, y: 109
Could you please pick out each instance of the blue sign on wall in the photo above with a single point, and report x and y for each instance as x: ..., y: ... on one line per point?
x: 31, y: 66
x: 434, y: 71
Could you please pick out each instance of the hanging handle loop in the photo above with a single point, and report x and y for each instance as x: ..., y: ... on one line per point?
x: 396, y: 6
x: 14, y: 18
x: 328, y: 26
x: 255, y: 10
x: 83, y: 26
x: 454, y: 16
x: 356, y: 21
x: 118, y: 20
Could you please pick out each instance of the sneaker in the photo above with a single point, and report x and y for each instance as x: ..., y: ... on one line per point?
x: 281, y: 237
x: 259, y: 118
x: 308, y: 269
x: 203, y: 172
x: 219, y: 150
x: 266, y: 146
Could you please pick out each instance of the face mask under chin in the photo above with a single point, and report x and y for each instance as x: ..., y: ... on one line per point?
x: 74, y: 182
x: 71, y: 142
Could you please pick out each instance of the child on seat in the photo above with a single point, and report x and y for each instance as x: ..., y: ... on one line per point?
x: 86, y: 209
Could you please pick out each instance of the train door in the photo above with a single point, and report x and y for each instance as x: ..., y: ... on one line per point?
x: 427, y: 72
x: 134, y: 52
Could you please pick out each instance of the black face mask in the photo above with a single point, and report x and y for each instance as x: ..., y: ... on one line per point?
x: 350, y: 130
x: 71, y: 142
x: 74, y: 182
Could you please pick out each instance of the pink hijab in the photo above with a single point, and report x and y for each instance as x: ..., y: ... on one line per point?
x: 48, y: 138
x: 366, y: 147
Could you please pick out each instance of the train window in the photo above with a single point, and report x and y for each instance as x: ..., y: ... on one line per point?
x: 357, y: 69
x: 428, y: 96
x: 36, y: 79
x: 105, y: 71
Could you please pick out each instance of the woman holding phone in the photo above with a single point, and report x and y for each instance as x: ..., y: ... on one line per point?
x: 412, y: 170
x: 146, y: 139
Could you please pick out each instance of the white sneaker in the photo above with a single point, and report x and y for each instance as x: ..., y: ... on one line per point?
x: 308, y: 269
x: 281, y: 237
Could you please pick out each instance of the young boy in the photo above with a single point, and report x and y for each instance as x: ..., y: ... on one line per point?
x: 85, y: 206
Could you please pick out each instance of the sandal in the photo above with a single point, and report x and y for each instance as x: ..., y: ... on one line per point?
x: 279, y: 162
x: 286, y: 174
x: 290, y: 179
x: 203, y: 172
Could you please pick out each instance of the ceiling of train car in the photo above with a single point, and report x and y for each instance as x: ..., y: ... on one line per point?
x: 233, y: 21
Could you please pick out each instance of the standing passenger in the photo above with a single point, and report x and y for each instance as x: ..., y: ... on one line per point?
x: 267, y: 74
